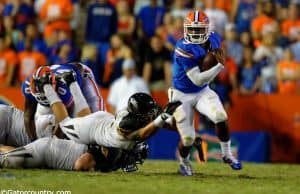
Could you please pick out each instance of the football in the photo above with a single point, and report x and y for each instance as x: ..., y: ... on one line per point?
x: 208, y: 62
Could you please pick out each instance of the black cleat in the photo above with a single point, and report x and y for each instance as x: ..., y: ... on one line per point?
x: 67, y: 77
x: 41, y: 81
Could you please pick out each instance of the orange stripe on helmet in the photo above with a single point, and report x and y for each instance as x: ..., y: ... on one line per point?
x: 196, y: 16
x: 203, y: 17
x: 190, y: 17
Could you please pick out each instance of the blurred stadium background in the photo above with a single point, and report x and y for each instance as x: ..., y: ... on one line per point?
x: 259, y: 86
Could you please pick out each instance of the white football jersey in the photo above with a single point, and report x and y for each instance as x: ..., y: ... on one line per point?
x: 98, y: 128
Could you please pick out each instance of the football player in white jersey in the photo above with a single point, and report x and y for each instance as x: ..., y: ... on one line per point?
x: 53, y: 153
x: 138, y: 122
x: 191, y: 87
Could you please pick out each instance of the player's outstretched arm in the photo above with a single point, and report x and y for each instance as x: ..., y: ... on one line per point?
x: 150, y: 129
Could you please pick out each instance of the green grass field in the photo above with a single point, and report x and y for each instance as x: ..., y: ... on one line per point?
x: 161, y: 177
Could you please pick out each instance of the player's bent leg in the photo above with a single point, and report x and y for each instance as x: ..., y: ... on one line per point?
x: 210, y: 105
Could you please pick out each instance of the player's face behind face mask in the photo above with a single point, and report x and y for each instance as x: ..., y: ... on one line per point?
x: 196, y: 35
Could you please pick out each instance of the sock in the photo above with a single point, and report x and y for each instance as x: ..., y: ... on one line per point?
x: 51, y: 94
x: 79, y: 99
x: 226, y: 149
x: 184, y: 160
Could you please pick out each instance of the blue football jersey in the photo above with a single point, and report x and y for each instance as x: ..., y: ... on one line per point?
x: 62, y: 90
x: 188, y: 56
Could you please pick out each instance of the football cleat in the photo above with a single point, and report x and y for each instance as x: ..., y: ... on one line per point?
x: 67, y: 77
x: 234, y: 163
x: 185, y: 168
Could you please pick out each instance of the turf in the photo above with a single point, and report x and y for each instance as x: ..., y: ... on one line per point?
x: 161, y: 177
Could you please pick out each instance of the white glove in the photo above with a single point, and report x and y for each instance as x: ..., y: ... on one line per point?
x: 162, y: 119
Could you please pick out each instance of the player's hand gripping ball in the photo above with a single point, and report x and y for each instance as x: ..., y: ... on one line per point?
x: 211, y: 59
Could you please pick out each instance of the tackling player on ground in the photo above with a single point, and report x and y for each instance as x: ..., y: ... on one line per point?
x: 54, y: 153
x: 141, y: 119
x: 65, y: 154
x: 191, y: 87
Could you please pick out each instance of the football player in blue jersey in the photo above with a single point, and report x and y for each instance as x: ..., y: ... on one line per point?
x: 191, y: 87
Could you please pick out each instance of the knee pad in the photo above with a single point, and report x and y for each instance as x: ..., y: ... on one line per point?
x: 180, y: 114
x: 188, y: 140
x: 44, y: 125
x: 220, y: 116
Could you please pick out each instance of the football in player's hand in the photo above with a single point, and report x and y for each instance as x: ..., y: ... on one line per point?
x: 208, y: 62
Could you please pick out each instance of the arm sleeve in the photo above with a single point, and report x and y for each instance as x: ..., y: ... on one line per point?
x: 201, y: 78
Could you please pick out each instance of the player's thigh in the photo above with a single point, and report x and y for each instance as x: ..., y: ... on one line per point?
x: 184, y: 115
x: 209, y: 104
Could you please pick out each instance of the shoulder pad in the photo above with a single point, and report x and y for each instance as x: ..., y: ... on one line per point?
x: 188, y: 50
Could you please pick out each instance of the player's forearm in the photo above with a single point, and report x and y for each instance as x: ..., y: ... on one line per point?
x: 201, y: 78
x: 143, y: 133
x: 57, y: 107
x: 151, y: 128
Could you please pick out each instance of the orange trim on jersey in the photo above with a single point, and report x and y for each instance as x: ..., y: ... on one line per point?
x: 183, y: 53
